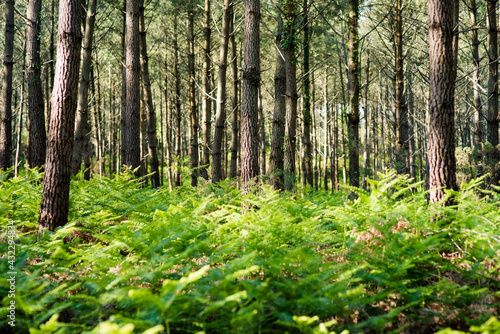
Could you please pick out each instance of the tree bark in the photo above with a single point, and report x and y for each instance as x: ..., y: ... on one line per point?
x: 220, y: 117
x: 235, y: 140
x: 193, y: 110
x: 250, y: 94
x: 131, y: 131
x: 178, y: 118
x: 366, y: 146
x: 353, y: 115
x: 492, y: 124
x: 306, y: 99
x: 148, y: 99
x: 81, y: 148
x: 442, y: 74
x: 207, y: 89
x: 276, y: 155
x: 6, y: 114
x: 36, y: 126
x: 262, y: 135
x: 54, y: 206
x: 401, y: 125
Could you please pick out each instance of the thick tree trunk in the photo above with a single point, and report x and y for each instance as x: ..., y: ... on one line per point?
x: 220, y: 117
x: 81, y: 146
x: 55, y: 195
x: 193, y: 110
x: 207, y: 89
x: 353, y: 115
x: 235, y: 141
x: 442, y: 73
x: 148, y: 105
x: 131, y: 131
x: 277, y: 153
x: 36, y: 126
x: 6, y: 114
x: 492, y: 127
x: 401, y: 125
x: 250, y: 94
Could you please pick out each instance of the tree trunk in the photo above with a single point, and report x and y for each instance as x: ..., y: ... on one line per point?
x: 353, y: 115
x: 334, y: 159
x: 289, y: 29
x: 492, y: 127
x: 262, y: 133
x: 8, y: 62
x: 81, y: 146
x: 366, y: 146
x: 220, y: 117
x: 306, y: 99
x: 55, y: 195
x: 207, y: 89
x: 250, y: 94
x: 401, y: 114
x: 235, y: 141
x: 148, y: 99
x: 277, y: 153
x: 442, y: 73
x: 36, y: 126
x: 193, y: 110
x: 178, y: 118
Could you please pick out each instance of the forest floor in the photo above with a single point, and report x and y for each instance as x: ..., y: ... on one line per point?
x: 135, y: 260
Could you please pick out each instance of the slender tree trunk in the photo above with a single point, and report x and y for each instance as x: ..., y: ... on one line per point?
x: 401, y: 114
x: 36, y: 126
x: 353, y: 115
x: 207, y: 89
x: 342, y: 121
x: 306, y: 91
x: 492, y: 127
x: 148, y: 99
x: 6, y: 113
x: 123, y: 100
x: 442, y: 73
x: 178, y: 118
x: 366, y: 146
x: 193, y: 110
x: 220, y: 117
x: 262, y: 132
x: 291, y: 93
x: 55, y: 195
x: 374, y: 137
x: 411, y: 133
x: 235, y: 141
x: 250, y: 94
x: 277, y: 153
x: 81, y: 148
x: 334, y: 159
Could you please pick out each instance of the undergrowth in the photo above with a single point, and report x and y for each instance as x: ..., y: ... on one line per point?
x: 135, y: 260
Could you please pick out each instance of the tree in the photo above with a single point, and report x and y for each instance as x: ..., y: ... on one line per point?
x: 193, y: 111
x: 220, y: 116
x: 148, y: 99
x: 81, y: 146
x: 276, y: 155
x: 353, y: 116
x: 55, y: 195
x: 207, y: 88
x: 442, y: 75
x: 250, y: 94
x: 131, y: 126
x: 306, y: 110
x: 36, y: 125
x: 235, y: 141
x: 8, y: 62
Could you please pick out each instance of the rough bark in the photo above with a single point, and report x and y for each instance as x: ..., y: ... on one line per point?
x: 353, y: 116
x: 6, y: 113
x: 82, y: 148
x: 442, y: 74
x: 250, y: 94
x: 36, y: 126
x: 54, y: 206
x: 277, y: 153
x: 306, y: 99
x: 207, y: 89
x: 235, y: 140
x: 262, y: 135
x: 131, y: 131
x: 148, y: 99
x: 193, y: 110
x: 401, y: 125
x: 220, y: 116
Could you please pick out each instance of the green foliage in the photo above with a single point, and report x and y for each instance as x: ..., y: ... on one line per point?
x: 135, y: 260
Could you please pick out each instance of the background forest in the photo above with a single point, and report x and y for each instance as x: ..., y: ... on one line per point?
x: 264, y: 167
